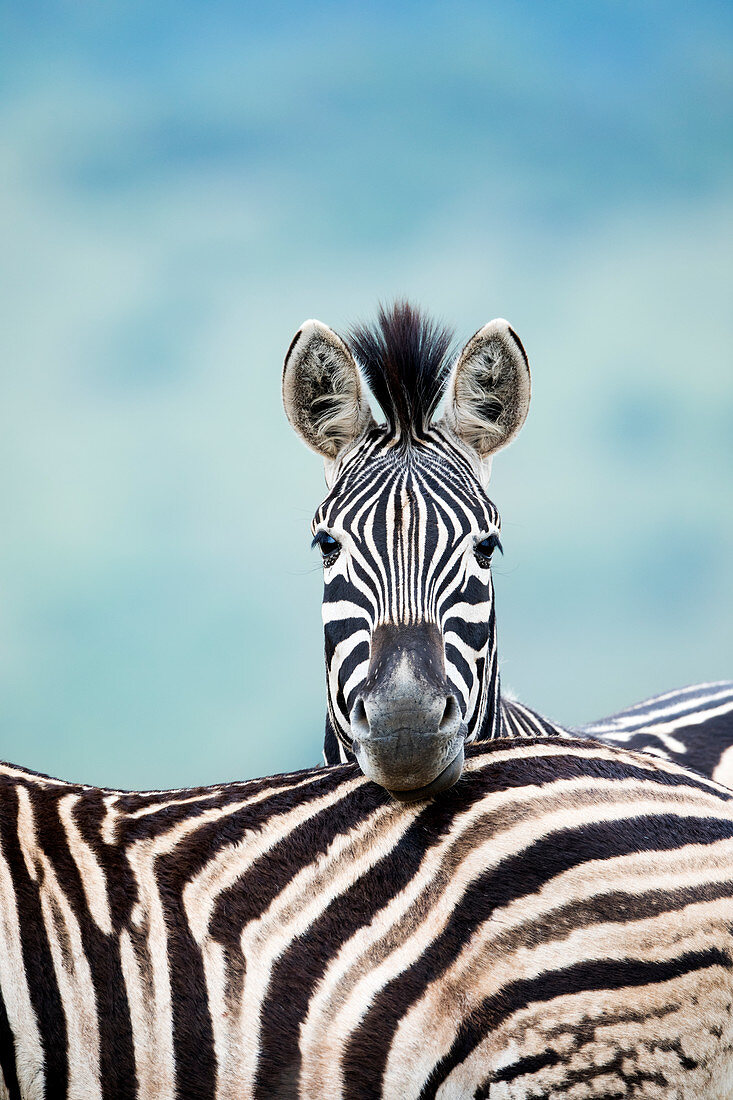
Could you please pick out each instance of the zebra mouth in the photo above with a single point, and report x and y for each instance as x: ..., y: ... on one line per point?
x: 442, y: 782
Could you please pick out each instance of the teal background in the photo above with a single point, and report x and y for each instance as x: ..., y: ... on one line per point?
x: 183, y: 184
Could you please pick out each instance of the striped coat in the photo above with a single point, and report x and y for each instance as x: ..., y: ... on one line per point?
x: 558, y: 924
x: 692, y: 725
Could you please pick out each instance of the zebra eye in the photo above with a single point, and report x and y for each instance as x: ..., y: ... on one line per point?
x: 486, y: 548
x: 329, y: 547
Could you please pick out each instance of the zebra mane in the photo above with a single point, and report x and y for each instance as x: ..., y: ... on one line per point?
x: 406, y: 359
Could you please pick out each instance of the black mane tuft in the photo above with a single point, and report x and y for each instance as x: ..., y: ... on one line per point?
x: 406, y: 359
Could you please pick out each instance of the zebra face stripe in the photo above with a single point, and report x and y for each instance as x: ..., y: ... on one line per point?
x: 408, y: 607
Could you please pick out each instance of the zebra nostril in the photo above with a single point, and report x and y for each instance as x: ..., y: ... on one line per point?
x: 359, y: 721
x: 451, y: 714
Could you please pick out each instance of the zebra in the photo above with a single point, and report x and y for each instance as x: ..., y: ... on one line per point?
x: 692, y: 725
x: 557, y: 924
x: 407, y: 533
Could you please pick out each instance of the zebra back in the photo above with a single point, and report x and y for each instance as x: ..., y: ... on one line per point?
x: 560, y: 918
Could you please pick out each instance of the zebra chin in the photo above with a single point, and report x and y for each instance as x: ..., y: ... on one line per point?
x: 373, y: 766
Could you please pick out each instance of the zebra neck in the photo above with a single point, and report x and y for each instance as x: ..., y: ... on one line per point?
x: 518, y: 720
x: 334, y: 751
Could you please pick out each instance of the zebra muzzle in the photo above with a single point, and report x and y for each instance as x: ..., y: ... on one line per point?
x: 406, y: 723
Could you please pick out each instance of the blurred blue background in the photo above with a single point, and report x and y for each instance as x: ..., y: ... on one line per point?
x: 184, y: 183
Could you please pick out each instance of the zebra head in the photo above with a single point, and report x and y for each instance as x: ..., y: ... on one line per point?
x: 407, y: 533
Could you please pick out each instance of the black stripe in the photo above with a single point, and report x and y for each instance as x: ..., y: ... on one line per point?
x: 455, y: 658
x: 331, y: 745
x: 303, y: 964
x: 116, y: 1050
x: 529, y: 1065
x: 475, y: 635
x: 703, y: 743
x: 255, y: 815
x: 609, y: 907
x: 358, y: 655
x: 527, y: 769
x: 221, y: 794
x: 579, y: 978
x: 518, y: 875
x: 265, y: 878
x: 193, y: 1038
x: 42, y: 985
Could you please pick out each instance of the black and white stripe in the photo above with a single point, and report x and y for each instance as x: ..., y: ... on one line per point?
x: 556, y: 924
x: 692, y: 726
x: 409, y: 525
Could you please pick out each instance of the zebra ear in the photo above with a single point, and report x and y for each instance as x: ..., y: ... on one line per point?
x: 489, y: 393
x: 322, y: 392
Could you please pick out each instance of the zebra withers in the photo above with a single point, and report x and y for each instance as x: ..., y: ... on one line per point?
x: 556, y: 925
x: 407, y: 533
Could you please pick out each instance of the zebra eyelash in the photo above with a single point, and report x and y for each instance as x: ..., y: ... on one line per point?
x: 484, y: 548
x: 328, y: 545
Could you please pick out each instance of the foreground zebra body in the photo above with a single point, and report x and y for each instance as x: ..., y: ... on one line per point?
x: 407, y: 533
x: 557, y: 925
